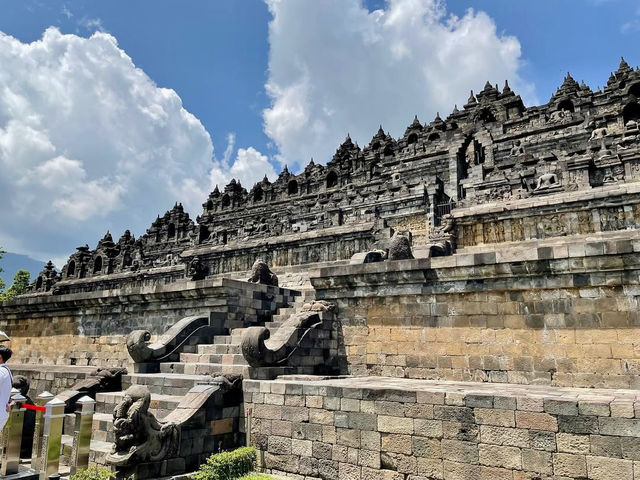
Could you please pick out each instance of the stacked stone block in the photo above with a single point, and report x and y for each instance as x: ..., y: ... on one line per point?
x: 399, y: 429
x: 560, y: 313
x: 91, y: 328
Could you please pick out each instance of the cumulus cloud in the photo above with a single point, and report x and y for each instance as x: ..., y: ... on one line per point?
x: 335, y: 67
x: 89, y: 142
x: 250, y: 166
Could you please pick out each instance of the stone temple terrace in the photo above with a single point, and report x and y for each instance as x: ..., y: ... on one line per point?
x: 457, y: 303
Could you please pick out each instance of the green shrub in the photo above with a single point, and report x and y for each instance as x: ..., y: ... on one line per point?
x: 257, y: 476
x: 227, y: 465
x: 94, y: 473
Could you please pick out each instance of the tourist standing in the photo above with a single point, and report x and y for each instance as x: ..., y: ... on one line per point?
x: 6, y: 384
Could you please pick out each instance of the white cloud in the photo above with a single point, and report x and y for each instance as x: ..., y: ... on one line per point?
x: 632, y: 25
x: 249, y: 166
x: 66, y: 12
x: 89, y: 142
x: 335, y: 67
x: 91, y: 24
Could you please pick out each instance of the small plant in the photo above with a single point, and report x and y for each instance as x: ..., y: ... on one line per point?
x: 227, y: 465
x: 94, y: 473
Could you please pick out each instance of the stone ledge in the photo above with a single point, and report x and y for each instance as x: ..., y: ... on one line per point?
x: 564, y: 198
x: 374, y: 387
x: 590, y: 245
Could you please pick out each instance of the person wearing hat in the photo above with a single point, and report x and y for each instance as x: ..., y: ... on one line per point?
x: 6, y: 380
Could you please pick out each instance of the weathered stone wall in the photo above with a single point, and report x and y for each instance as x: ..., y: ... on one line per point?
x: 406, y: 429
x: 91, y: 328
x: 50, y: 378
x: 603, y: 209
x: 561, y: 314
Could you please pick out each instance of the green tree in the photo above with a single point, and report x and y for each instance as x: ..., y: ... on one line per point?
x: 19, y: 286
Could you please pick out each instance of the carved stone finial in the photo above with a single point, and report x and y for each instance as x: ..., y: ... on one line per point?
x: 471, y: 101
x: 196, y: 270
x: 400, y: 247
x: 261, y: 349
x: 261, y: 273
x: 139, y: 436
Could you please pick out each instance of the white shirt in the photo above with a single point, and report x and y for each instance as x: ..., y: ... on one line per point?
x: 5, y: 393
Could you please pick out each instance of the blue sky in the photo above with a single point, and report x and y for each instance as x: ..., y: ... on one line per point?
x: 261, y: 84
x: 215, y: 53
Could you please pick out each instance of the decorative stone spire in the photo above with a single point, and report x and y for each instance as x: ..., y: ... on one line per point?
x: 569, y: 86
x: 455, y: 109
x: 507, y: 89
x: 438, y: 123
x: 416, y: 123
x: 623, y: 69
x: 126, y: 238
x: 471, y: 101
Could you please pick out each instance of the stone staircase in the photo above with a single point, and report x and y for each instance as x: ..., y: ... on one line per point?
x: 199, y: 364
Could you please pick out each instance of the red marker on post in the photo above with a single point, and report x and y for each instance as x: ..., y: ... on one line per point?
x: 34, y: 407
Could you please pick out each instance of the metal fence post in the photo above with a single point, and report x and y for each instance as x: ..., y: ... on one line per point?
x: 41, y: 400
x: 52, y: 438
x: 12, y: 435
x: 247, y: 426
x: 85, y: 408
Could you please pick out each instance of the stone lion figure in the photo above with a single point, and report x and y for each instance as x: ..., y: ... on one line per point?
x: 139, y: 436
x: 196, y: 270
x: 400, y: 247
x: 261, y: 273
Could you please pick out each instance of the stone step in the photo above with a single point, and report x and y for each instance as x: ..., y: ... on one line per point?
x: 219, y: 349
x: 160, y: 404
x: 225, y: 359
x: 202, y: 369
x: 102, y: 427
x: 98, y: 452
x: 168, y: 383
x: 236, y: 336
x: 221, y: 339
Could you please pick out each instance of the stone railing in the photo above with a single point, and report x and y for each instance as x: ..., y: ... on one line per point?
x: 261, y: 349
x: 187, y: 331
x: 148, y: 448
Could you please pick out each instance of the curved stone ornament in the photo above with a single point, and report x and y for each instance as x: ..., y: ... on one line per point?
x: 144, y: 445
x: 139, y: 436
x: 168, y: 344
x: 260, y: 349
